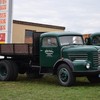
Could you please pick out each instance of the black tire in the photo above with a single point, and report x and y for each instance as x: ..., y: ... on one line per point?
x: 94, y: 78
x: 15, y: 71
x: 65, y: 75
x: 6, y: 70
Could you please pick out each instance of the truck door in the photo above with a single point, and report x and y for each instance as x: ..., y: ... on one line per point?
x: 49, y: 51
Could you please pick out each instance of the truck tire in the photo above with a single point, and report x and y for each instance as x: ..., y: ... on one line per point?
x: 15, y: 71
x: 65, y: 75
x: 94, y: 78
x: 6, y: 70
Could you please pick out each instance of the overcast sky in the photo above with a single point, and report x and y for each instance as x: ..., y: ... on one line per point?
x: 76, y: 15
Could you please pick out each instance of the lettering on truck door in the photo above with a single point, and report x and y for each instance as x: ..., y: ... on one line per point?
x: 49, y: 51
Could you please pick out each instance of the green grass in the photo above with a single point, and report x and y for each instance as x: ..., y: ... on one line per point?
x: 48, y: 88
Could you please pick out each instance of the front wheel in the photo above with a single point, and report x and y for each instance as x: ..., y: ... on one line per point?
x: 65, y: 75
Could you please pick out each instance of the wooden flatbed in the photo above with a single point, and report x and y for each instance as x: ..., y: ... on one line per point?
x: 15, y: 49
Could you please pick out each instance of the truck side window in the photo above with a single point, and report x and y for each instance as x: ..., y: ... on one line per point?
x: 49, y: 42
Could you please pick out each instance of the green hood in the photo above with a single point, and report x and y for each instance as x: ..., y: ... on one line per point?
x: 80, y: 48
x: 81, y: 52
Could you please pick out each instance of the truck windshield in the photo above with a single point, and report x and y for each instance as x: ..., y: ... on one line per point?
x: 66, y: 40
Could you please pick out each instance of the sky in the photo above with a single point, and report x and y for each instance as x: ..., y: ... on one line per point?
x: 81, y: 16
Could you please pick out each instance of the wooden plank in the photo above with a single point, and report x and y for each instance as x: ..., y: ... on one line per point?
x: 16, y: 49
x: 21, y: 49
x: 7, y: 48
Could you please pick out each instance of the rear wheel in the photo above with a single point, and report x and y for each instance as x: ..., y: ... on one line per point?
x: 65, y: 75
x: 15, y: 71
x: 8, y: 70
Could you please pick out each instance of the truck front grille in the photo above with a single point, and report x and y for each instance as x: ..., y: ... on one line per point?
x: 78, y: 56
x: 96, y: 59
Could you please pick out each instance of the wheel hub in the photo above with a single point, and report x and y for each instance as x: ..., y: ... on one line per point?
x: 3, y: 71
x: 63, y: 75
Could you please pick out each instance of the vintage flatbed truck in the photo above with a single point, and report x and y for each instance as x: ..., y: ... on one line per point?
x: 60, y: 53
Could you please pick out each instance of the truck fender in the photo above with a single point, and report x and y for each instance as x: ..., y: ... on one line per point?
x: 61, y: 61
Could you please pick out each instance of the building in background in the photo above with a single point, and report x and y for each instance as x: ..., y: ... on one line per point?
x: 22, y: 31
x: 6, y: 21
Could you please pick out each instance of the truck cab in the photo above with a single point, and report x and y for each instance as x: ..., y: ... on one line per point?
x: 53, y: 44
x: 65, y: 55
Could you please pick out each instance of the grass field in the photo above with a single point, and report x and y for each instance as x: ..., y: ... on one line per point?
x: 48, y: 88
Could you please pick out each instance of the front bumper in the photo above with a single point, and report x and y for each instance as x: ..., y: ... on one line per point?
x: 85, y: 73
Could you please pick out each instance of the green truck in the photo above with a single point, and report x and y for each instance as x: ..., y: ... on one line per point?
x: 61, y: 53
x: 93, y: 39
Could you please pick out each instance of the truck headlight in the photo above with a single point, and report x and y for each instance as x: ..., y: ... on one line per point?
x: 88, y: 65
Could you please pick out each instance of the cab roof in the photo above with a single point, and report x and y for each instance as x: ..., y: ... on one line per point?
x: 60, y: 34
